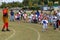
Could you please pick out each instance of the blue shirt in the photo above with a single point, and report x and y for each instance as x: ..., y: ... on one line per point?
x: 12, y: 13
x: 37, y: 13
x: 44, y: 22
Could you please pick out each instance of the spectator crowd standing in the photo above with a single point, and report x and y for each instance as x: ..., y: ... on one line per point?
x: 38, y: 17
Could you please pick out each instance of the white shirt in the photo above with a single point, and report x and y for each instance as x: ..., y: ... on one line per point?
x: 24, y: 15
x: 20, y: 14
x: 58, y: 14
x: 45, y: 21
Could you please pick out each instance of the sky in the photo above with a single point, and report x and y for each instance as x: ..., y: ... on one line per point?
x: 10, y: 1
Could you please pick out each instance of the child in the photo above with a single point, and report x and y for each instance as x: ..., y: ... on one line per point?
x: 11, y: 15
x: 40, y: 17
x: 34, y: 18
x: 29, y: 18
x: 54, y: 22
x: 25, y: 17
x: 59, y: 24
x: 17, y: 17
x: 45, y: 24
x: 20, y: 14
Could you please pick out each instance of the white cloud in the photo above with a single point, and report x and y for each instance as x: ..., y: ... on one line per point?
x: 11, y: 0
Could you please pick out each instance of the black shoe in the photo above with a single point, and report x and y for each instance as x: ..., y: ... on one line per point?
x: 7, y: 30
x: 3, y: 30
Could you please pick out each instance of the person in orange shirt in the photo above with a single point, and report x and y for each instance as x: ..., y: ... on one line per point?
x: 5, y: 19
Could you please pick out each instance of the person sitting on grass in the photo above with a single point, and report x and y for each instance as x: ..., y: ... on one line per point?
x: 45, y: 24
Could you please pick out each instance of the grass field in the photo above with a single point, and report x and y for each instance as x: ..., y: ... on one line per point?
x: 27, y: 31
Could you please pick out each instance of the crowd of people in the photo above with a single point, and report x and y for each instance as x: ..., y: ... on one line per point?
x: 37, y: 17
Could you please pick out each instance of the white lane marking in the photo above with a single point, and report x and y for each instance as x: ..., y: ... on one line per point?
x: 38, y: 38
x: 11, y: 35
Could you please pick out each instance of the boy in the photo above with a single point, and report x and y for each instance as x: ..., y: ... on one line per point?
x: 11, y: 15
x: 45, y: 24
x: 54, y: 22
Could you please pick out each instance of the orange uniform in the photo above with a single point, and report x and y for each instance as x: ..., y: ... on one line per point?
x: 5, y: 15
x: 5, y: 19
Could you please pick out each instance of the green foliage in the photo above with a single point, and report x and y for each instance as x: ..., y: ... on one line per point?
x: 30, y: 3
x: 50, y: 3
x: 3, y: 5
x: 13, y: 4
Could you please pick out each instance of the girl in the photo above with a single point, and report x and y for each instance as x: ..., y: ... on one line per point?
x: 45, y: 24
x: 40, y: 17
x: 25, y: 17
x: 34, y: 18
x: 17, y: 17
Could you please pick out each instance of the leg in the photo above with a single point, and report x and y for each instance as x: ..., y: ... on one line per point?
x: 43, y: 28
x: 7, y: 27
x: 54, y: 26
x: 3, y: 27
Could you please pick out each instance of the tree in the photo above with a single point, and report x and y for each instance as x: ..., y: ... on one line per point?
x: 3, y: 5
x: 25, y: 2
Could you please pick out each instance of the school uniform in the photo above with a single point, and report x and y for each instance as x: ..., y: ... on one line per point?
x: 54, y: 22
x: 34, y: 18
x: 45, y: 24
x: 12, y: 16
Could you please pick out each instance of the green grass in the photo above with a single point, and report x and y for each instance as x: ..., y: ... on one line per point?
x: 24, y: 31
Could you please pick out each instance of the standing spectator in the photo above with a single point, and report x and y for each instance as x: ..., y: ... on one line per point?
x: 25, y: 16
x: 30, y: 17
x: 34, y: 18
x: 17, y: 17
x: 37, y: 13
x: 58, y: 13
x: 40, y: 17
x: 11, y: 15
x: 59, y: 24
x: 54, y: 22
x: 50, y: 19
x: 20, y: 14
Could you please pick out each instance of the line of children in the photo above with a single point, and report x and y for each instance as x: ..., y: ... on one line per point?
x: 36, y: 17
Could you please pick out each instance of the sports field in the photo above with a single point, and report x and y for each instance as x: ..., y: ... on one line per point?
x: 27, y: 31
